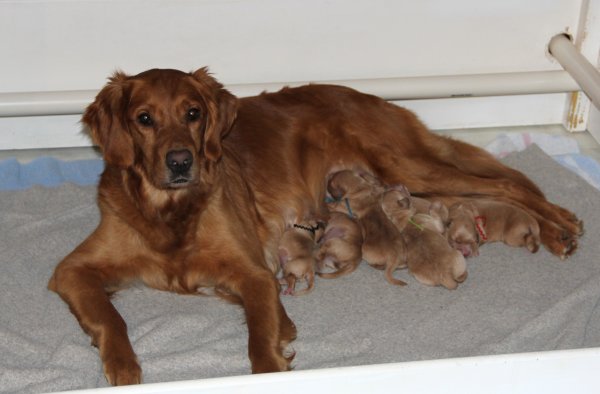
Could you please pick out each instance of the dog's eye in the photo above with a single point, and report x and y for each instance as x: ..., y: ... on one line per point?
x: 145, y: 119
x: 193, y: 114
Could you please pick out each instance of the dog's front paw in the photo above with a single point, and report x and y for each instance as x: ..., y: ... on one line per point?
x: 120, y: 371
x: 273, y: 360
x: 278, y: 363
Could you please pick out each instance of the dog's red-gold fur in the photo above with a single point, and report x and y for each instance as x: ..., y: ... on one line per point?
x: 197, y: 181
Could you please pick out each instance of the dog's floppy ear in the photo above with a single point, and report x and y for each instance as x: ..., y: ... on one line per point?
x: 106, y: 119
x: 222, y: 110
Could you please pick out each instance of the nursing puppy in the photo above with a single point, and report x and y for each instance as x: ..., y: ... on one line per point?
x: 396, y: 200
x: 340, y: 247
x: 430, y: 258
x: 438, y: 212
x: 399, y: 206
x: 296, y: 256
x: 360, y: 195
x: 475, y: 222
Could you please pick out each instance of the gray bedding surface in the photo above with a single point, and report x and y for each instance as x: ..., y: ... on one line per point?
x: 513, y: 301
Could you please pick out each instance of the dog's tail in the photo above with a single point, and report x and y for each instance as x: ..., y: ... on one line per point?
x: 476, y: 161
x: 391, y: 266
x: 389, y: 275
x: 310, y: 280
x: 345, y: 270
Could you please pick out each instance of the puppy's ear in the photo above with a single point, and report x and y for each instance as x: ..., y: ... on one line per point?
x: 471, y: 207
x: 370, y: 178
x: 222, y: 110
x: 336, y: 190
x: 106, y: 118
x: 401, y: 188
x: 404, y: 203
x: 438, y: 209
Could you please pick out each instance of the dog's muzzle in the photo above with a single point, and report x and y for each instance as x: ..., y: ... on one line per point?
x: 179, y: 163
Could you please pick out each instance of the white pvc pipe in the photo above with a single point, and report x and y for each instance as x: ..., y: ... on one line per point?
x: 475, y: 85
x: 65, y: 102
x: 448, y: 86
x: 586, y: 75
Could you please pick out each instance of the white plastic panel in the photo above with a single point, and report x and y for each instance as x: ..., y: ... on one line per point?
x: 74, y: 44
x: 554, y: 372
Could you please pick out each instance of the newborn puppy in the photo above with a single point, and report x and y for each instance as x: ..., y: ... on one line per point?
x: 296, y: 256
x: 399, y: 206
x: 360, y: 195
x: 439, y: 212
x: 399, y: 195
x: 359, y: 183
x: 340, y: 246
x: 476, y: 222
x: 431, y: 260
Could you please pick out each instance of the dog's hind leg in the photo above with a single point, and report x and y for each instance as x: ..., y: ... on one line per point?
x: 559, y: 228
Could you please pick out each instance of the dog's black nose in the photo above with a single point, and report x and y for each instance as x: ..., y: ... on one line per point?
x: 179, y: 161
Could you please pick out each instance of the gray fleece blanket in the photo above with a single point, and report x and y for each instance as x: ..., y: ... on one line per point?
x: 513, y: 301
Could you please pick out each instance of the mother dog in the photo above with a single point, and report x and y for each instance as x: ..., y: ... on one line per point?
x: 199, y: 185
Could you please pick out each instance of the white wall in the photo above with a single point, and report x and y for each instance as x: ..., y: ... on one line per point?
x: 76, y: 44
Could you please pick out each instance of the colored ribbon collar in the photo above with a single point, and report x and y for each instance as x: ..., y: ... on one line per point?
x: 480, y: 222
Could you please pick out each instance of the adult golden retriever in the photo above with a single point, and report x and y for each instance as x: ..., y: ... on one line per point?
x: 199, y: 185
